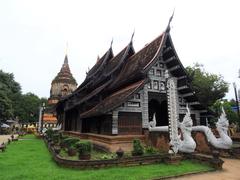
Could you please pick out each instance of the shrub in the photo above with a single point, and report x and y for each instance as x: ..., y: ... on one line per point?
x: 151, y: 150
x: 60, y: 135
x: 55, y: 138
x: 137, y: 148
x: 63, y: 136
x: 84, y: 147
x: 70, y: 141
x: 49, y: 132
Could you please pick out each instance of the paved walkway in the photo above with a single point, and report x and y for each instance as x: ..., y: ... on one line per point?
x: 231, y: 171
x: 4, y: 138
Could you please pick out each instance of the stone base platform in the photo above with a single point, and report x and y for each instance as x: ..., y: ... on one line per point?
x: 107, y: 142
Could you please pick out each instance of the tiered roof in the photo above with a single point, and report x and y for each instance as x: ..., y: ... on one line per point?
x: 65, y: 75
x: 114, y: 79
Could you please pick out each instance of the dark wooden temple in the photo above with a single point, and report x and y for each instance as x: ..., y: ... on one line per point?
x: 122, y: 92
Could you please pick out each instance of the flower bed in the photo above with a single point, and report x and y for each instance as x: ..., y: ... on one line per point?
x: 127, y: 160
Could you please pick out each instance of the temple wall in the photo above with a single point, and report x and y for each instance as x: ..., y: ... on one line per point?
x: 159, y: 140
x: 202, y: 144
x: 57, y: 88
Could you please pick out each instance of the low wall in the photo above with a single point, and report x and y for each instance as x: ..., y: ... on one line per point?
x: 202, y: 144
x: 109, y: 143
x: 86, y: 164
x: 159, y: 140
x: 130, y: 161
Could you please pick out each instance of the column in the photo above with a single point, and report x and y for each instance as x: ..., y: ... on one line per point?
x: 115, y: 122
x: 144, y: 100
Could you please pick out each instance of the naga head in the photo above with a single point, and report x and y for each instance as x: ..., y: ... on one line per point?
x: 222, y: 123
x: 187, y: 120
x: 153, y: 123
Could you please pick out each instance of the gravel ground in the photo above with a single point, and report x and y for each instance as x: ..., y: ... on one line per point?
x: 4, y: 138
x: 231, y: 171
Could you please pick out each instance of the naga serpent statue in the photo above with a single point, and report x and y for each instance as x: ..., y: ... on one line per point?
x: 188, y: 144
x: 224, y: 142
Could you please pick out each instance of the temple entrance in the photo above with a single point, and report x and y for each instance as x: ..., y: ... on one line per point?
x: 164, y: 113
x: 160, y: 110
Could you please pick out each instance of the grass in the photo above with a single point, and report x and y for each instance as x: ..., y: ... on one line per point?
x: 30, y: 159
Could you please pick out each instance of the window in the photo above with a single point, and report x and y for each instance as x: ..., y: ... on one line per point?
x: 162, y: 86
x: 155, y: 85
x: 151, y: 71
x: 149, y: 85
x: 156, y: 64
x: 137, y: 96
x: 133, y: 104
x: 158, y: 72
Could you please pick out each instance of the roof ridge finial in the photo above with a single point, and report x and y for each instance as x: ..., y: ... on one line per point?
x: 111, y: 43
x: 98, y: 58
x: 133, y: 35
x: 66, y: 49
x: 170, y: 20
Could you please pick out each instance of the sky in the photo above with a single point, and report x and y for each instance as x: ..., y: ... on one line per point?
x: 34, y: 34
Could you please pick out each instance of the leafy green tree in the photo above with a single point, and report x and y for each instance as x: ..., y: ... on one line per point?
x: 208, y: 87
x: 6, y: 110
x: 28, y: 107
x: 10, y: 90
x: 227, y: 105
x: 14, y: 104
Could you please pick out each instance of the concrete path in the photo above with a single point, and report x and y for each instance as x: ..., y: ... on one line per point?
x: 4, y: 138
x: 231, y: 171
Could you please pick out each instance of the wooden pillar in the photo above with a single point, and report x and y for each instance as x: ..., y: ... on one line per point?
x: 197, y: 115
x: 64, y: 121
x: 79, y: 122
x: 115, y: 122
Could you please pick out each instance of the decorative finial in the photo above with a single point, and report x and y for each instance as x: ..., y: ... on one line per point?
x: 170, y: 20
x: 187, y: 107
x: 111, y: 43
x: 223, y: 111
x: 66, y: 50
x: 98, y: 58
x: 133, y: 34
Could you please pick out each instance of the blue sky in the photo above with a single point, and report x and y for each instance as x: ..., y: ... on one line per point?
x: 33, y: 35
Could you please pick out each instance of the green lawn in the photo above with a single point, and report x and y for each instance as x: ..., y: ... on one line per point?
x: 30, y: 159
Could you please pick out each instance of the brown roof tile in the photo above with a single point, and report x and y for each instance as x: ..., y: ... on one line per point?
x: 114, y: 100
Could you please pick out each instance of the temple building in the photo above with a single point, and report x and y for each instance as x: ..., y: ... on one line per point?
x: 62, y: 85
x: 122, y: 92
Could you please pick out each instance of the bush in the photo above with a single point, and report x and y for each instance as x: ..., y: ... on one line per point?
x: 70, y: 141
x: 55, y: 138
x: 84, y: 147
x: 49, y: 132
x: 151, y: 150
x: 137, y: 148
x: 64, y: 136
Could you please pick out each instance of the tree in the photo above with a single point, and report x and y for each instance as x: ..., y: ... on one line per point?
x: 15, y: 104
x: 6, y: 110
x: 208, y: 87
x: 227, y: 105
x: 28, y: 108
x: 10, y: 90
